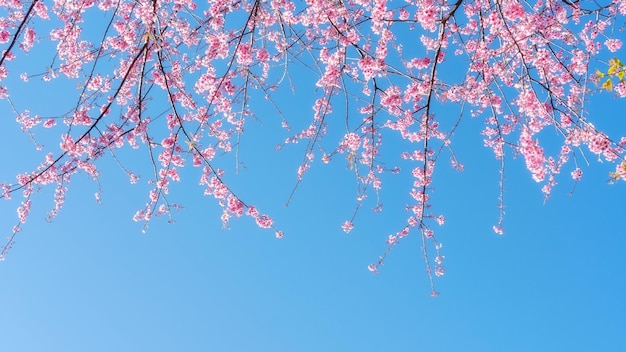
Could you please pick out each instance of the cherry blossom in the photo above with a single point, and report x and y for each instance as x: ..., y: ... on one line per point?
x: 180, y: 82
x: 347, y: 226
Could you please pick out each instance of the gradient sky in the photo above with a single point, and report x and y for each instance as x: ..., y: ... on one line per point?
x: 91, y: 281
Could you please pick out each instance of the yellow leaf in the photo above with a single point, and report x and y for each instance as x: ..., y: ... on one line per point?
x: 611, y: 69
x: 608, y: 85
x: 146, y: 37
x: 620, y: 75
x: 599, y: 74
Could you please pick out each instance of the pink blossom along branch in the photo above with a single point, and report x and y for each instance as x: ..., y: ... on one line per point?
x: 174, y: 83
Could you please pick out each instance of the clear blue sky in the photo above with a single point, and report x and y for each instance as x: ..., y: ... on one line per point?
x: 90, y: 281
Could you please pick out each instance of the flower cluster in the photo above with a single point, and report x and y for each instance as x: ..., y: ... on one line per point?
x: 178, y: 80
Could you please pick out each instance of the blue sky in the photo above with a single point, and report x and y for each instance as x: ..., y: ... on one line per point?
x: 91, y: 281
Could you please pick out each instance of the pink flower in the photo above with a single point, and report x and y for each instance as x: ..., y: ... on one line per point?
x: 23, y: 210
x: 41, y: 10
x: 235, y: 206
x: 352, y: 141
x: 262, y: 55
x: 498, y: 229
x: 264, y: 222
x: 225, y: 218
x: 439, y: 270
x: 577, y: 174
x: 373, y: 268
x: 419, y: 63
x: 169, y: 141
x: 404, y: 14
x: 620, y: 89
x: 4, y: 37
x: 252, y: 211
x: 613, y: 44
x: 28, y: 39
x: 301, y: 170
x: 440, y: 219
x: 347, y: 226
x: 49, y: 123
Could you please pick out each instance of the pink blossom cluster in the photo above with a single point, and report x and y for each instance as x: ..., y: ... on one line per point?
x: 179, y: 81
